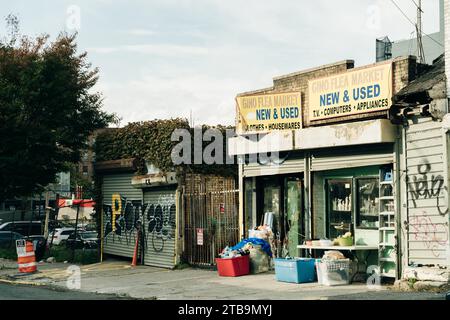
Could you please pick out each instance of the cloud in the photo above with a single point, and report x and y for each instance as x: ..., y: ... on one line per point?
x: 164, y: 50
x: 141, y: 32
x: 215, y: 49
x: 210, y: 99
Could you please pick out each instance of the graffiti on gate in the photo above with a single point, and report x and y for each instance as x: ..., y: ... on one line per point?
x: 433, y: 235
x: 158, y: 218
x: 124, y: 222
x: 427, y: 186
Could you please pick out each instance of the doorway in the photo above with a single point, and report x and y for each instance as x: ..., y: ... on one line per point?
x: 283, y: 197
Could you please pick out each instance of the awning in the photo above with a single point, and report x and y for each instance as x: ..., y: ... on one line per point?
x: 84, y: 203
x: 347, y: 134
x: 328, y: 136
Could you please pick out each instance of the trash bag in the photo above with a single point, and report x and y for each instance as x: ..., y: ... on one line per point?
x: 259, y: 260
x: 265, y: 246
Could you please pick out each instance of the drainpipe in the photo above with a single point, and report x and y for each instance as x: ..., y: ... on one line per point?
x: 446, y: 121
x: 447, y: 44
x: 308, y: 221
x: 446, y: 158
x: 241, y: 197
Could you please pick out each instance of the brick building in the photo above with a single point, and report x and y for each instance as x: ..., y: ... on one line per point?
x: 340, y: 172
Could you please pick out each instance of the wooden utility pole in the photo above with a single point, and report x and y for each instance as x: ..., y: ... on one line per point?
x: 47, y: 214
x: 75, y: 233
x: 55, y: 219
x: 420, y: 51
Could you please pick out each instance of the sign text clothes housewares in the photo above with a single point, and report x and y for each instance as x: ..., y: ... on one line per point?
x: 269, y: 112
x: 354, y: 92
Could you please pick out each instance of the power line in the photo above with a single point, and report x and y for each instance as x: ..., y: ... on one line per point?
x: 404, y: 14
x: 414, y: 24
x: 418, y: 7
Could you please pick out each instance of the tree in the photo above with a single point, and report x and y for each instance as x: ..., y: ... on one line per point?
x: 48, y: 108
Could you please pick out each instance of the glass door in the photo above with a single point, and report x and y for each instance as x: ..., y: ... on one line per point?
x: 339, y: 204
x: 272, y: 195
x: 294, y: 216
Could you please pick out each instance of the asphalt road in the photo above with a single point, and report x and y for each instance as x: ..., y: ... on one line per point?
x: 20, y: 292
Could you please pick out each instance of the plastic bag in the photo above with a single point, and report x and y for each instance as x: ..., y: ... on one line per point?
x: 259, y: 260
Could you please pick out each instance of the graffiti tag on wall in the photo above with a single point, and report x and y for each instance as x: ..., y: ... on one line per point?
x: 433, y: 235
x: 427, y: 186
x: 157, y: 218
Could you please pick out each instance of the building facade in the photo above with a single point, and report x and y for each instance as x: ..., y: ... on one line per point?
x: 335, y: 163
x: 182, y: 218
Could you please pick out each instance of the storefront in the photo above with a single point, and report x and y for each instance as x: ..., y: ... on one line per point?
x: 335, y: 172
x: 280, y: 192
x: 148, y: 203
x: 180, y: 219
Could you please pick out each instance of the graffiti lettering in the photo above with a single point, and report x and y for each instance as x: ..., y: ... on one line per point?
x: 160, y: 222
x: 157, y: 218
x: 433, y: 235
x: 424, y: 186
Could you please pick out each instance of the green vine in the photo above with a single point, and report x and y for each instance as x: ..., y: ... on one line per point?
x: 151, y: 141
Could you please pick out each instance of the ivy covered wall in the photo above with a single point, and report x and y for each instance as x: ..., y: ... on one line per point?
x: 151, y: 141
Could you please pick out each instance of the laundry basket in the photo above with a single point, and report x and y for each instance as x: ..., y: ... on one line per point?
x: 333, y: 272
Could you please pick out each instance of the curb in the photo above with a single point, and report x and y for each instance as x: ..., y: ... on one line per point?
x: 28, y: 283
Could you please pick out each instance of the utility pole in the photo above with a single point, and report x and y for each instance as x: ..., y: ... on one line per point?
x: 47, y: 214
x: 55, y: 219
x: 75, y: 233
x: 420, y: 51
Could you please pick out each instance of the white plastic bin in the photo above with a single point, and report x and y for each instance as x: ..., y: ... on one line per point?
x: 333, y: 272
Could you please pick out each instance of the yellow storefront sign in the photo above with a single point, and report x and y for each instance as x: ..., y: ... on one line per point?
x: 354, y: 92
x: 269, y: 112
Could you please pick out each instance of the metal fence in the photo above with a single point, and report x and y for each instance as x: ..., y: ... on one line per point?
x: 210, y: 206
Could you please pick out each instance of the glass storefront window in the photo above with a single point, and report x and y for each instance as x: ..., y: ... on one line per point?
x: 368, y: 203
x: 340, y: 207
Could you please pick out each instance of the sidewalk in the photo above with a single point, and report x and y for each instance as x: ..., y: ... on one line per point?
x: 143, y: 282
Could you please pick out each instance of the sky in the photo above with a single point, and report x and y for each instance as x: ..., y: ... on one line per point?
x: 174, y: 58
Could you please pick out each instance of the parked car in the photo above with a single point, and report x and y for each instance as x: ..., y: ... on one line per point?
x: 39, y: 244
x: 8, y: 239
x: 25, y: 228
x: 84, y: 240
x: 60, y: 235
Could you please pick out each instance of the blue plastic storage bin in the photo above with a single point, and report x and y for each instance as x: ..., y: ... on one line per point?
x: 298, y: 270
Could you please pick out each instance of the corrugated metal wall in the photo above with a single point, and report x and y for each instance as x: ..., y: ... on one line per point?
x: 160, y: 224
x: 121, y: 245
x: 289, y: 166
x: 155, y: 208
x: 362, y: 156
x: 428, y: 230
x: 119, y: 183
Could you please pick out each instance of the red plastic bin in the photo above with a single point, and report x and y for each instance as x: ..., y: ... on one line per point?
x: 234, y: 267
